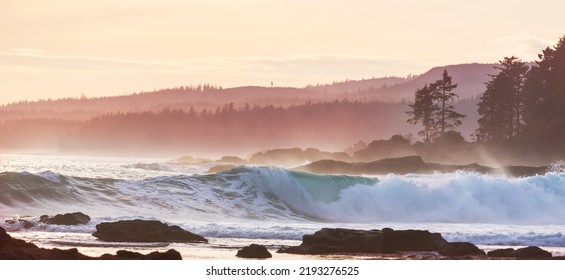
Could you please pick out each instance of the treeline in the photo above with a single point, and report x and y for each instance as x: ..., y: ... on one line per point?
x: 67, y: 107
x: 521, y: 111
x: 523, y: 104
x: 225, y: 130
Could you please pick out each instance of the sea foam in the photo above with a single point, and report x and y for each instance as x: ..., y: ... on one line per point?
x: 277, y: 194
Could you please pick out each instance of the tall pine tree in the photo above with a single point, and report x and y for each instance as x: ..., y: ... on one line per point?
x: 433, y: 109
x: 502, y: 103
x: 446, y: 118
x: 544, y: 92
x: 423, y: 111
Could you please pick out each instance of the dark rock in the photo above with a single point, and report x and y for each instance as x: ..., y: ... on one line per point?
x: 128, y: 255
x: 411, y: 240
x: 402, y: 165
x: 460, y: 249
x: 396, y: 146
x: 532, y: 252
x: 338, y: 240
x: 144, y: 231
x: 501, y: 253
x: 68, y: 219
x: 24, y: 223
x: 254, y: 251
x: 4, y: 236
x: 17, y: 249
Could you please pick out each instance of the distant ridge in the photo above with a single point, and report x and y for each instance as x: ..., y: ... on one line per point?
x: 471, y: 79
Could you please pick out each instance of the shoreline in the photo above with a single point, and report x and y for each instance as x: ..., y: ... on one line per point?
x: 226, y: 249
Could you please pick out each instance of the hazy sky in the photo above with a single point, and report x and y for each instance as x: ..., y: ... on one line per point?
x: 62, y: 48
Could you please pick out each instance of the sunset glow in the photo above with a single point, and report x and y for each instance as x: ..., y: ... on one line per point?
x: 66, y: 48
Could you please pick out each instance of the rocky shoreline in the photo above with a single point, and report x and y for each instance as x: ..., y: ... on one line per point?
x: 336, y: 243
x: 403, y: 244
x: 413, y: 165
x: 16, y: 249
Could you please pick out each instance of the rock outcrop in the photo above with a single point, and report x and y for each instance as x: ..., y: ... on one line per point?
x: 411, y: 240
x: 338, y: 240
x: 144, y: 231
x: 402, y: 165
x: 531, y: 252
x: 68, y: 219
x: 254, y: 251
x: 171, y: 254
x: 460, y: 249
x: 17, y: 249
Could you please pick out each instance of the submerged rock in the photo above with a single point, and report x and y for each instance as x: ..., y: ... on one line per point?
x: 339, y: 240
x: 254, y: 251
x: 17, y: 249
x: 144, y: 231
x: 21, y: 223
x: 69, y: 219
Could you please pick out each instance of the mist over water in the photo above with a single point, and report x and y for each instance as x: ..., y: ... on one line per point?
x: 277, y: 194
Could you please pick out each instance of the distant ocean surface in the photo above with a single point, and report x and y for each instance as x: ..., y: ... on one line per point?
x: 274, y: 205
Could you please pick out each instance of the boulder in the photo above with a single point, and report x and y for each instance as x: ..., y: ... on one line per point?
x: 339, y: 240
x: 144, y: 231
x: 501, y: 253
x: 460, y: 249
x: 531, y: 252
x: 17, y: 249
x: 68, y: 219
x: 254, y: 251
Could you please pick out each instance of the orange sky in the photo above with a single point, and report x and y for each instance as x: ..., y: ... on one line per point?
x: 65, y: 48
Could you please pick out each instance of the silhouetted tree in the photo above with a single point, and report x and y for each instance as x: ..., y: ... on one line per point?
x: 432, y: 107
x: 446, y: 116
x: 423, y: 111
x: 502, y: 103
x: 544, y: 93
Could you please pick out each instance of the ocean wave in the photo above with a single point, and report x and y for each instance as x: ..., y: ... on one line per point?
x: 277, y: 194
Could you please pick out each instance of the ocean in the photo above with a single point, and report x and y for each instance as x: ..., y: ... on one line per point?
x: 272, y: 206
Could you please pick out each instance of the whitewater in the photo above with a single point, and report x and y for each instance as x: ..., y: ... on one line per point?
x: 278, y: 204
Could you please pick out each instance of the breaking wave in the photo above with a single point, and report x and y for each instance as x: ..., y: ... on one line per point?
x: 277, y: 194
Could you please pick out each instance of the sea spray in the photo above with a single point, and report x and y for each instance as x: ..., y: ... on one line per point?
x: 279, y: 195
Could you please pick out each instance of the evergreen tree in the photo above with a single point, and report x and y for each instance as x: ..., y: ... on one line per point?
x: 446, y: 118
x: 544, y: 92
x: 423, y: 111
x: 501, y: 105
